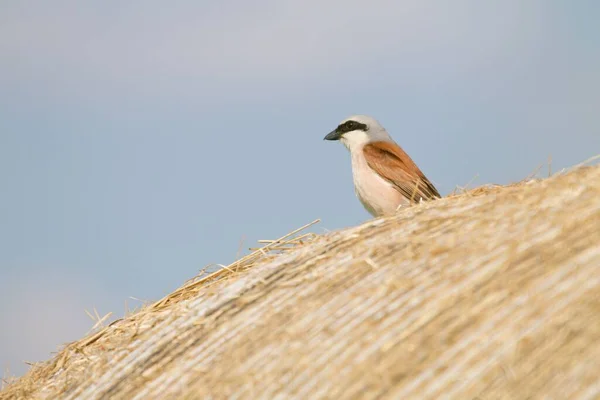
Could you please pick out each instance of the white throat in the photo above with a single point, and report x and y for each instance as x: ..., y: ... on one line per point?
x: 355, y: 140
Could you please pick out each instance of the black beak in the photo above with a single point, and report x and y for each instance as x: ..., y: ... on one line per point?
x: 333, y: 135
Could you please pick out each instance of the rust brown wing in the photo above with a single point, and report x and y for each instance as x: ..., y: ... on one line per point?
x: 394, y: 165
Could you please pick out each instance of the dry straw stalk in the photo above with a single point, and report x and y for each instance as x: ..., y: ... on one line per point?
x: 493, y: 293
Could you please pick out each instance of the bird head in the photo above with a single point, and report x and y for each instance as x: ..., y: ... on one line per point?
x: 357, y: 131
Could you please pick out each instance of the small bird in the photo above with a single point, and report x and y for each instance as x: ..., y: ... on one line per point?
x: 385, y: 177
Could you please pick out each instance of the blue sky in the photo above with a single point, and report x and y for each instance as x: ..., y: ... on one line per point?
x: 140, y: 141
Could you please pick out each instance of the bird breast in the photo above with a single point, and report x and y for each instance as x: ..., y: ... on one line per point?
x: 376, y: 194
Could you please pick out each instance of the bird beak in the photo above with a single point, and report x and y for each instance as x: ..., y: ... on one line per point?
x: 333, y: 135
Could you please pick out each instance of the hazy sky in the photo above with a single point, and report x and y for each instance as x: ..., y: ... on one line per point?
x: 142, y: 140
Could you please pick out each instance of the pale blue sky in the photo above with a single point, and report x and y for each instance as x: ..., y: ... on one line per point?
x: 140, y: 140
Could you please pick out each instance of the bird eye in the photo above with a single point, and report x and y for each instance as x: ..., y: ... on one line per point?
x: 351, y: 124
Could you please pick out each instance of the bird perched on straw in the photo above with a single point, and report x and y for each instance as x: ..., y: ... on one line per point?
x: 385, y: 177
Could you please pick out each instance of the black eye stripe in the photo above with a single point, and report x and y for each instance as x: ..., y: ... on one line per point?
x: 350, y: 126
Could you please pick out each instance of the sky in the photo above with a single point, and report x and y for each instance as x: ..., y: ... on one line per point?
x: 141, y: 141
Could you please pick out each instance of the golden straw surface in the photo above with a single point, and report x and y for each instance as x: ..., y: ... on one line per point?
x: 493, y: 293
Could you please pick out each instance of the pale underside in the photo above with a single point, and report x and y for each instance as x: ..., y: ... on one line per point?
x: 377, y: 195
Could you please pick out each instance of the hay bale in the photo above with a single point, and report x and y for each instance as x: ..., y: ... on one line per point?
x: 490, y: 294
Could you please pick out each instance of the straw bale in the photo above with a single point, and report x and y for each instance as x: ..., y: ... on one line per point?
x: 490, y: 294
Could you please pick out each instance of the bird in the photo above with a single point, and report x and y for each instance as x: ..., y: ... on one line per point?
x: 385, y: 177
